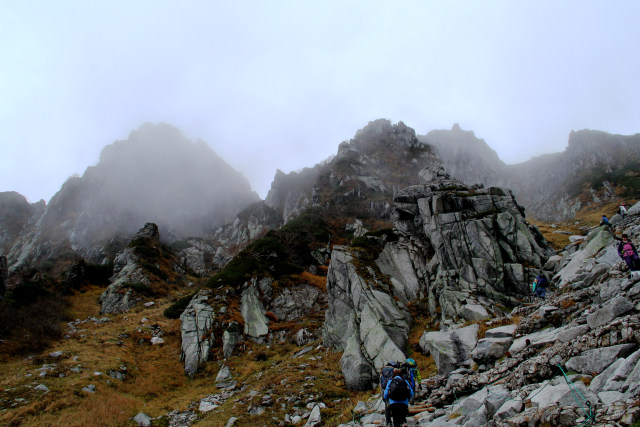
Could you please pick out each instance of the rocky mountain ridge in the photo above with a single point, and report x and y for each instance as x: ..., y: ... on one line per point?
x: 595, y: 167
x: 348, y: 261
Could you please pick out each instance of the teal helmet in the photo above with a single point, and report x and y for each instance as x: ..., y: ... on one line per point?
x: 411, y: 362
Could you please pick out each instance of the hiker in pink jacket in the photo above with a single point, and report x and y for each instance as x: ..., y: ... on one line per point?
x: 629, y: 254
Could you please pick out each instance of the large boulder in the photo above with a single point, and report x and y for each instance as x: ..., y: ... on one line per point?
x: 559, y: 392
x: 230, y: 338
x: 470, y: 248
x: 253, y: 313
x: 490, y: 349
x: 596, y: 241
x: 450, y: 349
x: 597, y: 359
x: 609, y: 311
x: 196, y: 329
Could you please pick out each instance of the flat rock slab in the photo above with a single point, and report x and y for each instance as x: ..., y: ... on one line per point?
x: 540, y: 337
x: 561, y: 394
x: 612, y: 309
x: 501, y: 332
x: 598, y: 359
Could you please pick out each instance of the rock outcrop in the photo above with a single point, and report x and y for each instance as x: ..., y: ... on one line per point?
x: 363, y: 320
x: 253, y: 311
x: 196, y: 329
x: 467, y: 251
x: 573, y: 360
x: 470, y: 248
x: 17, y: 216
x: 131, y: 275
x: 380, y: 159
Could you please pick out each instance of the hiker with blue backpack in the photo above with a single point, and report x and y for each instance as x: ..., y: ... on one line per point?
x: 397, y: 394
x: 540, y: 285
x: 386, y: 375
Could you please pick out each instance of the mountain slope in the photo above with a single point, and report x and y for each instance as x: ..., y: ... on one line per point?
x: 158, y: 176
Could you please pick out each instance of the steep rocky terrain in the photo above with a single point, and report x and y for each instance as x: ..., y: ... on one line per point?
x: 595, y: 167
x: 285, y: 314
x: 571, y: 359
x: 158, y: 176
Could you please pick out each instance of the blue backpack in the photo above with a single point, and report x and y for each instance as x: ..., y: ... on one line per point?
x: 385, y: 376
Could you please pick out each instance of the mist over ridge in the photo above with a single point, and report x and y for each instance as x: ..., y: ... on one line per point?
x: 156, y: 175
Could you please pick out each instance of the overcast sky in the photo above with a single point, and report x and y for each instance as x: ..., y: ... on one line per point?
x: 279, y: 84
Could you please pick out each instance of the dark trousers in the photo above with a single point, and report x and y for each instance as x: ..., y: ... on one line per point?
x: 399, y: 412
x: 387, y: 413
x: 632, y: 262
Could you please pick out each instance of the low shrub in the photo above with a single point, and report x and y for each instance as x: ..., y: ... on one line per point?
x: 153, y: 269
x: 99, y: 274
x: 31, y: 323
x: 140, y: 288
x: 177, y: 308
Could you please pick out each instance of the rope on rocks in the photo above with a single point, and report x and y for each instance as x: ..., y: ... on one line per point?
x: 590, y: 415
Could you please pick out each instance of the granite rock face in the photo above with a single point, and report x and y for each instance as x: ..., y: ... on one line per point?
x: 196, y: 329
x: 553, y: 187
x: 367, y: 323
x: 364, y: 172
x: 128, y: 272
x: 470, y: 248
x: 253, y: 312
x: 465, y: 250
x: 450, y: 349
x: 579, y: 345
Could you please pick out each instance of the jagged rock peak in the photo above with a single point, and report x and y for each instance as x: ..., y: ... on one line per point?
x: 383, y: 131
x: 434, y: 172
x: 149, y: 231
x: 380, y: 159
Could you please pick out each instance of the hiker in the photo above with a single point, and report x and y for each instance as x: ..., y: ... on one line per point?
x: 628, y: 253
x: 622, y: 210
x: 416, y: 378
x: 605, y: 221
x: 386, y: 375
x: 398, y: 392
x: 540, y: 285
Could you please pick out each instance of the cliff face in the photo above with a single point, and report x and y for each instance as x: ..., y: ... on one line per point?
x: 155, y: 176
x: 16, y: 216
x: 595, y: 167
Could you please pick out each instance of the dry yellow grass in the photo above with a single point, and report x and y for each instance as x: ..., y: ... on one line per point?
x: 589, y: 216
x: 155, y: 382
x: 318, y: 281
x: 84, y: 303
